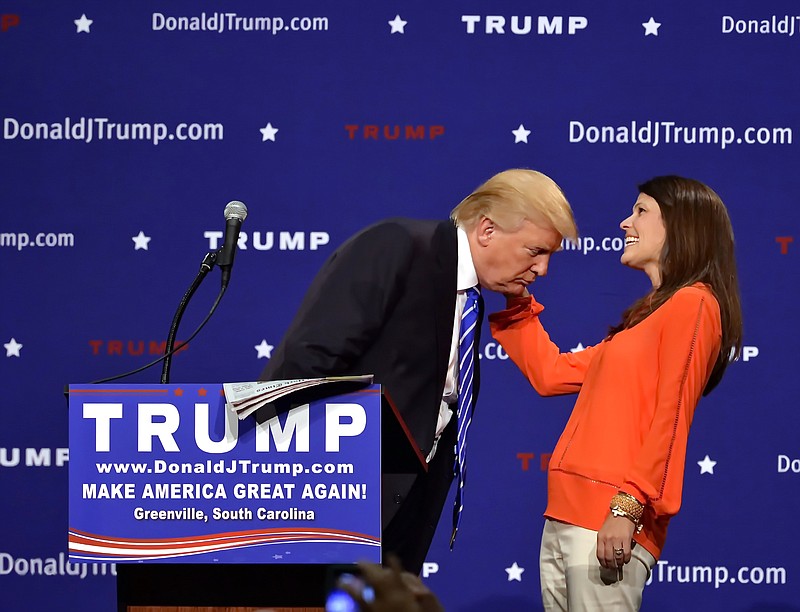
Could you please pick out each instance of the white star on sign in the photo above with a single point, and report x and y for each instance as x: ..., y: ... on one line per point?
x: 515, y: 572
x: 12, y: 348
x: 707, y: 465
x: 268, y: 133
x: 521, y: 134
x: 577, y: 349
x: 264, y: 349
x: 398, y: 25
x: 651, y: 27
x: 140, y: 241
x: 83, y: 24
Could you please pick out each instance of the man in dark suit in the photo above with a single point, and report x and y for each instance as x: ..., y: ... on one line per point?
x: 388, y: 302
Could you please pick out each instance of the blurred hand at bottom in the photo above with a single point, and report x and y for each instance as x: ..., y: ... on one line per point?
x: 394, y: 590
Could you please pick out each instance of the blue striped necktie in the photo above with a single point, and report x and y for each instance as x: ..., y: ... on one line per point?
x: 466, y: 376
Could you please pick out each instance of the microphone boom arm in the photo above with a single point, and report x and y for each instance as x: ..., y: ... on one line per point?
x: 205, y: 267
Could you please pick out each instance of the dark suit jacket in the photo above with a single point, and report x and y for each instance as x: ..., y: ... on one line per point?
x: 384, y: 304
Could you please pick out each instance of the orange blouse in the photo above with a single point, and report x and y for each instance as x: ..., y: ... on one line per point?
x: 636, y: 398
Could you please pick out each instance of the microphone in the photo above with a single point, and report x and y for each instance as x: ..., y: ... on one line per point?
x: 235, y: 213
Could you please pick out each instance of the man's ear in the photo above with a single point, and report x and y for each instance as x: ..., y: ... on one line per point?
x: 484, y: 231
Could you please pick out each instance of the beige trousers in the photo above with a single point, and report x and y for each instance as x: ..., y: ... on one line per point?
x: 572, y: 578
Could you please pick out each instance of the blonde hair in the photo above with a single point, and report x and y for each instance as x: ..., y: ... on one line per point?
x: 512, y: 196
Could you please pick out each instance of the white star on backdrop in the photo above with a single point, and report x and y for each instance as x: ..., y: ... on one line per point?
x: 12, y: 348
x: 577, y: 349
x: 268, y: 133
x: 398, y: 25
x: 140, y: 241
x: 521, y: 134
x: 515, y: 572
x: 707, y: 465
x: 651, y: 27
x: 264, y: 350
x: 83, y: 24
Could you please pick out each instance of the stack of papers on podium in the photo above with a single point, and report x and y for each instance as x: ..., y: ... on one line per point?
x: 244, y: 398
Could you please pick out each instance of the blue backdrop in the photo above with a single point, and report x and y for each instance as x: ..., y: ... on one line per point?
x: 127, y: 127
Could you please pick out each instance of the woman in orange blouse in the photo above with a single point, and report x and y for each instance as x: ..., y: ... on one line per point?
x: 616, y: 474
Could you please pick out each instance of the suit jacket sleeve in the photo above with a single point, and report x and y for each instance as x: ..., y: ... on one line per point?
x: 346, y: 305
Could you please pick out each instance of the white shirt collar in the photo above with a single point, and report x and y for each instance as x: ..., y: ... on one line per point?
x: 467, y: 276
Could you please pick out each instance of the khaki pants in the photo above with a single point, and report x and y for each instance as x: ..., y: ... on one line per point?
x: 572, y: 578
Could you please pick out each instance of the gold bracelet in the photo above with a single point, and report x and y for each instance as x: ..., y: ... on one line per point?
x: 623, y: 504
x: 629, y: 504
x: 617, y: 511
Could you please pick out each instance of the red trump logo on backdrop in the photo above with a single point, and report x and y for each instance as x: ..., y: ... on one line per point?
x: 8, y: 21
x: 132, y: 347
x: 528, y: 460
x: 394, y: 132
x: 784, y: 242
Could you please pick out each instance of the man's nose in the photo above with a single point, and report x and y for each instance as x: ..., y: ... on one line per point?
x: 539, y: 266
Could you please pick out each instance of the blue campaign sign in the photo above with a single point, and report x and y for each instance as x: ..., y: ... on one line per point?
x: 167, y: 473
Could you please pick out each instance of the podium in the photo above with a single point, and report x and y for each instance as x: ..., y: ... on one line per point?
x: 200, y: 511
